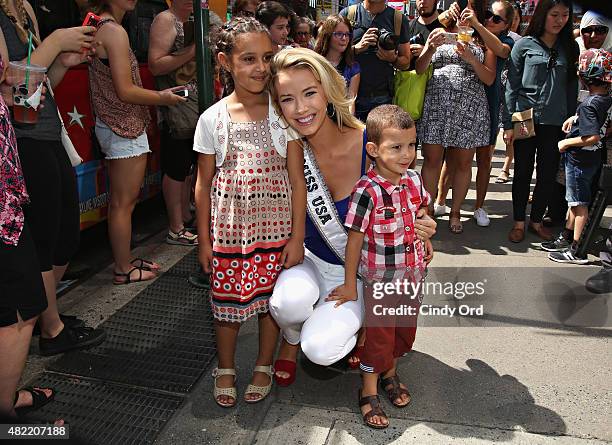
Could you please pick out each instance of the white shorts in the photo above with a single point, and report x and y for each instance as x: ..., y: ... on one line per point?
x: 298, y: 305
x: 116, y: 147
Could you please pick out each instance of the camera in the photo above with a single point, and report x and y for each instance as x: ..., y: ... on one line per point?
x: 417, y: 39
x: 387, y: 40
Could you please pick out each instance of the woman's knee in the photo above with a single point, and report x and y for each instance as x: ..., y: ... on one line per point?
x: 294, y: 296
x: 433, y: 155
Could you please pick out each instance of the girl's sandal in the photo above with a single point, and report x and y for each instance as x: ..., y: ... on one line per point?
x: 503, y: 177
x: 395, y: 391
x: 376, y: 410
x: 261, y: 391
x: 288, y: 367
x: 230, y: 392
x: 455, y: 227
x: 181, y: 238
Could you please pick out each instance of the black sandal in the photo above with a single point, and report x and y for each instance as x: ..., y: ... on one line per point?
x: 39, y: 399
x: 376, y: 410
x: 396, y: 391
x: 143, y: 264
x: 128, y: 277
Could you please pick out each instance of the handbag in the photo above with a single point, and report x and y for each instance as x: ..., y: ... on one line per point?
x: 73, y: 155
x: 523, y: 124
x: 181, y: 118
x: 410, y: 90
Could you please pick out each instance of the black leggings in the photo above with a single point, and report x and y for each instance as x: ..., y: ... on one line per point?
x: 53, y: 212
x: 547, y: 163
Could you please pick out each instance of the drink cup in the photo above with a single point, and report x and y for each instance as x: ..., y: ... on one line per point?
x: 26, y: 84
x: 465, y: 34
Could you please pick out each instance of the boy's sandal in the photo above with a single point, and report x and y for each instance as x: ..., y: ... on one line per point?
x: 285, y: 366
x: 230, y: 392
x: 181, y: 238
x: 143, y: 264
x: 261, y: 391
x: 126, y: 278
x: 376, y: 410
x: 395, y: 391
x: 39, y: 399
x: 503, y: 177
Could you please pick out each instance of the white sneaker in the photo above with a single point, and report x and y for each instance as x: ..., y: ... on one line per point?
x: 481, y: 217
x: 440, y: 210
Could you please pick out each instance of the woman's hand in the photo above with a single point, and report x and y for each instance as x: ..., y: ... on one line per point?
x: 342, y: 294
x: 6, y: 90
x: 468, y: 17
x: 74, y: 39
x: 429, y: 252
x: 454, y: 12
x: 205, y: 254
x: 168, y: 97
x: 70, y: 59
x: 293, y: 253
x: 424, y: 225
x: 509, y: 137
x: 465, y: 53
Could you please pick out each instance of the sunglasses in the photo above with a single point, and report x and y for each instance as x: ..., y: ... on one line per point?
x: 597, y: 29
x: 302, y: 33
x: 552, y: 59
x: 341, y: 35
x: 496, y: 18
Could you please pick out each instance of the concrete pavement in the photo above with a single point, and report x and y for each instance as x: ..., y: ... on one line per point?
x: 534, y: 369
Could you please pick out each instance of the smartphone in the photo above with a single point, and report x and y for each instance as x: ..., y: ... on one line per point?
x: 182, y: 93
x: 92, y: 20
x: 450, y: 38
x: 462, y: 4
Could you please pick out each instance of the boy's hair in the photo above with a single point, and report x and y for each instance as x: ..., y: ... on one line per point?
x: 386, y: 116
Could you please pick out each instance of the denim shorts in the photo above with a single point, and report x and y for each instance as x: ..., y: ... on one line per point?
x: 116, y: 147
x: 578, y: 180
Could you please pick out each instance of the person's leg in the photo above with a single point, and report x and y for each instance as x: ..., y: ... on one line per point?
x: 226, y: 334
x: 174, y: 196
x: 460, y: 162
x: 484, y: 156
x: 580, y: 214
x: 186, y: 198
x: 444, y: 183
x: 547, y: 165
x: 268, y: 336
x: 524, y: 159
x: 126, y: 177
x: 433, y: 157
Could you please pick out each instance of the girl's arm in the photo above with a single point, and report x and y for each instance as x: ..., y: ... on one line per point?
x: 353, y: 90
x: 161, y: 38
x: 293, y: 253
x: 206, y: 173
x: 116, y: 44
x: 485, y: 71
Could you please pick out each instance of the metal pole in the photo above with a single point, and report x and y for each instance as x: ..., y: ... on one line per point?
x: 203, y: 55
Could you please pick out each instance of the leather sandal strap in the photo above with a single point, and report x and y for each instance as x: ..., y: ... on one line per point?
x: 373, y: 401
x: 396, y: 391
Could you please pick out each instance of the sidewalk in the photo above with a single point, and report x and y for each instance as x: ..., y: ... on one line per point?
x: 535, y: 369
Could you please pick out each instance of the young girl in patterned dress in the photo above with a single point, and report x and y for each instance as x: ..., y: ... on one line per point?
x: 251, y: 200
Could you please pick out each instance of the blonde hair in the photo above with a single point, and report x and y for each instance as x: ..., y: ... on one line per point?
x: 332, y: 82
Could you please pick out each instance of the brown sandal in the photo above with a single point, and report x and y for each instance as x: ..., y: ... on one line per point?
x: 396, y: 391
x: 376, y: 410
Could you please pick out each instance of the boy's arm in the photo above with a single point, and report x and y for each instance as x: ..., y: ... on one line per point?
x: 578, y: 141
x: 348, y: 291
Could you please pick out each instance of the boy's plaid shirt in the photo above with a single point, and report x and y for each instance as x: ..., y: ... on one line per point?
x: 385, y: 213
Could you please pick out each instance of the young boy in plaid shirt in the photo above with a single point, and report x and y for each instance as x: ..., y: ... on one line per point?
x: 380, y: 220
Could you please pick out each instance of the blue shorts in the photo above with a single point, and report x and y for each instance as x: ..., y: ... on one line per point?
x: 578, y: 180
x: 116, y: 147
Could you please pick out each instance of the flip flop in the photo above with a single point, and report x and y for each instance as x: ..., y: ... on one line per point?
x: 39, y: 399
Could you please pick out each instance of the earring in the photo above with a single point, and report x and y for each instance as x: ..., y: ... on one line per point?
x: 331, y: 110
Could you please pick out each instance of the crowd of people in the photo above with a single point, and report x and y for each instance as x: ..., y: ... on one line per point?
x: 305, y: 182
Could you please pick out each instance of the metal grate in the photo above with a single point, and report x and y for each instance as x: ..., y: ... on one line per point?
x: 164, y: 338
x: 105, y: 413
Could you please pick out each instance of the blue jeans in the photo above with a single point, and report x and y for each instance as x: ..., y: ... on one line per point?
x: 364, y: 105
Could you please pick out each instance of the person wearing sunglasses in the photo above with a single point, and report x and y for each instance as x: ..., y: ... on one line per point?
x: 595, y: 32
x: 541, y: 77
x: 494, y: 34
x: 334, y: 43
x: 303, y: 32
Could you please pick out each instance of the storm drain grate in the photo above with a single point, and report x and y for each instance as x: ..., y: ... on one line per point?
x: 187, y: 265
x: 105, y: 413
x: 164, y: 338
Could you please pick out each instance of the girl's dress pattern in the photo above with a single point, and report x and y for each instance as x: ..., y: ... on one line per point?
x: 251, y: 222
x: 455, y: 110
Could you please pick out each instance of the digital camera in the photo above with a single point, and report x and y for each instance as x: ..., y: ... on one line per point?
x: 417, y: 39
x: 387, y: 40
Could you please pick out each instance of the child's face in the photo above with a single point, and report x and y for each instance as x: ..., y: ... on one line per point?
x: 249, y: 62
x: 394, y: 153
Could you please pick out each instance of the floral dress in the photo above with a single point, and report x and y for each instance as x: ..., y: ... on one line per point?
x: 250, y: 221
x: 455, y: 111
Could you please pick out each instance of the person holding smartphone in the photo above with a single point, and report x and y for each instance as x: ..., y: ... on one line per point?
x: 120, y: 104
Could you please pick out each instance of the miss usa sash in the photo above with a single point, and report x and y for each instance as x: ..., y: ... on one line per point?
x: 321, y: 207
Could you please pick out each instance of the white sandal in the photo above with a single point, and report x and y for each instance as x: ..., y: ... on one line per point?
x: 263, y: 391
x: 230, y: 392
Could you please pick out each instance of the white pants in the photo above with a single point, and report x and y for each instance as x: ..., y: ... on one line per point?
x: 298, y: 305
